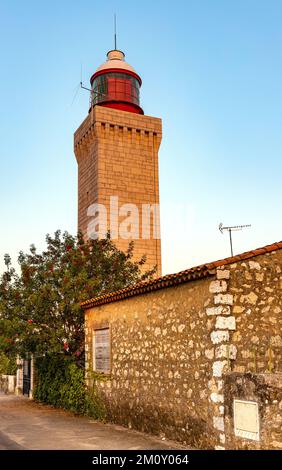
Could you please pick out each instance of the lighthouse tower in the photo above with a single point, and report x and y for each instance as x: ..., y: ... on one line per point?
x: 116, y: 148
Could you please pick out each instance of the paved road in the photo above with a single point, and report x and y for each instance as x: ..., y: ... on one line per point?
x: 25, y: 424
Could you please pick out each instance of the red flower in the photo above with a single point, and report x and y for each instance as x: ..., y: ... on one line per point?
x: 66, y: 346
x: 30, y: 322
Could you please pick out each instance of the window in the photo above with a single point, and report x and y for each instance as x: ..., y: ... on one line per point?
x: 115, y: 87
x: 101, y: 350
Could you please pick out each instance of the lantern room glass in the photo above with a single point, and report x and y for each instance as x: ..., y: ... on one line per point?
x: 115, y: 87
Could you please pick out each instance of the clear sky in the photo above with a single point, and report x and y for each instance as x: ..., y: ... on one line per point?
x: 211, y: 69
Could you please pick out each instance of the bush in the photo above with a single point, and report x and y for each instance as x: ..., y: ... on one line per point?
x: 61, y: 383
x: 8, y: 364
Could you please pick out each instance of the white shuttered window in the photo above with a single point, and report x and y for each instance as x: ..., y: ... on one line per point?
x: 101, y: 350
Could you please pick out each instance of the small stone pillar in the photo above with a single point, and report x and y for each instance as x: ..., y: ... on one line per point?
x: 19, y: 377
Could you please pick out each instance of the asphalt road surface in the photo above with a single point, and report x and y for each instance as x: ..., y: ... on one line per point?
x: 25, y: 424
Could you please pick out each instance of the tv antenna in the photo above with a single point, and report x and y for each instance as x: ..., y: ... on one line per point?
x: 235, y: 228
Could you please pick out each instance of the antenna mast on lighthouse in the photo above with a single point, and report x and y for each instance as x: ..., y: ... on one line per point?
x: 115, y: 29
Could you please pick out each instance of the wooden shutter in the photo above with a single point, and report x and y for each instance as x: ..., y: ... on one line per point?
x: 101, y: 350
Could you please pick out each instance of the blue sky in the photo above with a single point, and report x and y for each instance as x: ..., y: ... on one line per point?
x: 211, y: 70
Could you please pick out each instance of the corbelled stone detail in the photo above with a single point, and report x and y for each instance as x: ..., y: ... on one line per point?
x: 220, y: 310
x: 218, y: 286
x: 228, y: 323
x: 222, y: 274
x: 225, y: 299
x: 219, y: 336
x: 224, y: 352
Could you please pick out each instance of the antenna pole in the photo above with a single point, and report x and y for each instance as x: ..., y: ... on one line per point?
x: 230, y: 237
x: 230, y: 230
x: 115, y: 28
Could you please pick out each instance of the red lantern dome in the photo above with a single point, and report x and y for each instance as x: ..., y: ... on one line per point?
x: 115, y: 84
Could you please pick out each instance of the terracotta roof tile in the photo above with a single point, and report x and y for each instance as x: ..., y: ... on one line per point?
x: 198, y: 272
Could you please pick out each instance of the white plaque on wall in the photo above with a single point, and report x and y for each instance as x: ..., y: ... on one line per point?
x: 246, y: 419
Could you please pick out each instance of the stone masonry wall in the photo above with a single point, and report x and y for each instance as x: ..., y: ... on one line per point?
x: 256, y: 286
x: 173, y: 351
x: 162, y: 358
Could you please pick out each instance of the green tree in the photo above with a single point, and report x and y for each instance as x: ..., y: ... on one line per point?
x: 10, y: 322
x: 40, y: 307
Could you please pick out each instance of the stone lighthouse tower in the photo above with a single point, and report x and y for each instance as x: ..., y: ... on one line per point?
x: 116, y: 148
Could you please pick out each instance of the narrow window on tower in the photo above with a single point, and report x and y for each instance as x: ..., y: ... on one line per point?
x: 101, y: 350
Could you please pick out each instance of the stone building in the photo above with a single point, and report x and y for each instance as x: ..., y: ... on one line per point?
x: 116, y: 148
x: 196, y: 355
